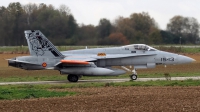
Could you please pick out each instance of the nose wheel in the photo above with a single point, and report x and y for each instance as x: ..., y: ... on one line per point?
x: 133, y: 77
x: 134, y: 73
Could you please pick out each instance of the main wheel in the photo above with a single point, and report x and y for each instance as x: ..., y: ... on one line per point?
x: 72, y: 78
x: 133, y: 77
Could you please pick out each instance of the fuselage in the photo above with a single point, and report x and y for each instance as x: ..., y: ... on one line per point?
x: 138, y: 55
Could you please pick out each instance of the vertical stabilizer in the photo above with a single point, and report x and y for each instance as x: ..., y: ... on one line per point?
x: 39, y: 45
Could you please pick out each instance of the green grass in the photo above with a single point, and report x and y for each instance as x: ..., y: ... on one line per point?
x: 188, y: 82
x: 32, y: 78
x: 159, y: 75
x: 64, y: 77
x: 28, y: 91
x: 11, y: 92
x: 144, y: 75
x: 14, y: 49
x: 191, y: 50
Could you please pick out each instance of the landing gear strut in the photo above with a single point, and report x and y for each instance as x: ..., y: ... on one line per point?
x: 134, y: 75
x: 72, y: 78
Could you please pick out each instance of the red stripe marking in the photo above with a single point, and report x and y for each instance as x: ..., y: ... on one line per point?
x: 74, y: 62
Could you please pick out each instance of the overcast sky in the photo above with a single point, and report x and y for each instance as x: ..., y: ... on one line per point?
x: 91, y: 11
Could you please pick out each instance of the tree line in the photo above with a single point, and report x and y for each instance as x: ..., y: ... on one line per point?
x: 60, y: 26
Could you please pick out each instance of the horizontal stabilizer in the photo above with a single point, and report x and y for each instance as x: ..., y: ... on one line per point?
x: 22, y: 61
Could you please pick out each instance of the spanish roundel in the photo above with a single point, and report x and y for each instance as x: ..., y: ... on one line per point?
x: 44, y: 64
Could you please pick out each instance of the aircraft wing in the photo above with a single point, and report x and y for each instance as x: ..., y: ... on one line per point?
x: 86, y: 60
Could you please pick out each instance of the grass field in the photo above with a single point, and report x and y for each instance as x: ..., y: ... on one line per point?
x: 11, y: 92
x: 28, y: 91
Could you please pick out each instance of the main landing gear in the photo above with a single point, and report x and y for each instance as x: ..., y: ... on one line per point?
x: 72, y: 78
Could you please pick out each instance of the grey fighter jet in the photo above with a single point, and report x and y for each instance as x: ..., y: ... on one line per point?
x: 91, y: 62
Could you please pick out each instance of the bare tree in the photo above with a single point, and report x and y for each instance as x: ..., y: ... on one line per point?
x: 29, y: 8
x: 64, y: 10
x: 185, y: 27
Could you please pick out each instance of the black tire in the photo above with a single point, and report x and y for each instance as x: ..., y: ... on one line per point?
x: 133, y: 77
x: 72, y: 78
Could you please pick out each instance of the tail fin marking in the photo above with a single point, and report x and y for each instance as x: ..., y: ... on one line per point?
x: 39, y: 45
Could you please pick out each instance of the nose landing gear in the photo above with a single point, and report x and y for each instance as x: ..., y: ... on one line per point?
x: 133, y: 76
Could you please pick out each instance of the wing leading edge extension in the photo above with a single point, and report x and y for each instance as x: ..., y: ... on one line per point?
x: 74, y: 62
x: 110, y: 56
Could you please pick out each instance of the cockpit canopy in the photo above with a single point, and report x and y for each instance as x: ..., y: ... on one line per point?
x: 140, y: 47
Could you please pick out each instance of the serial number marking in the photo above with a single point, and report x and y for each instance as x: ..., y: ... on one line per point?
x: 167, y: 59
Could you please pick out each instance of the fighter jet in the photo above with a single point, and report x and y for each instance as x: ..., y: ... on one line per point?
x: 91, y: 62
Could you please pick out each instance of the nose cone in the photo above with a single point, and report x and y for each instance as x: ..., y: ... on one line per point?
x: 184, y: 59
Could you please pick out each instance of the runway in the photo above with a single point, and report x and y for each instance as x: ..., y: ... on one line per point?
x: 97, y: 80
